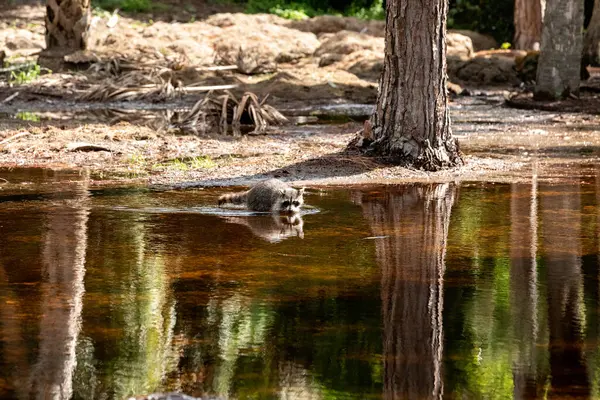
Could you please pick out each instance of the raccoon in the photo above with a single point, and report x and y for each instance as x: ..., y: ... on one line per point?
x: 270, y: 195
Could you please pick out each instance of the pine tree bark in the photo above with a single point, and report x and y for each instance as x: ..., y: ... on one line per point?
x: 411, y: 124
x: 528, y: 24
x: 67, y: 25
x: 591, y: 41
x: 558, y: 72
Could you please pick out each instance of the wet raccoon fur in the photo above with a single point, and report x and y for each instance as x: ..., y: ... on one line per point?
x: 270, y: 195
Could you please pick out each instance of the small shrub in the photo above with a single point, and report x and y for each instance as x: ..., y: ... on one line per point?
x: 126, y: 5
x: 491, y: 17
x: 366, y: 9
x: 375, y: 11
x: 290, y: 10
x: 288, y: 13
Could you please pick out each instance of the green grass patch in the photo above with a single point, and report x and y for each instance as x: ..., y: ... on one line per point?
x: 27, y: 116
x: 187, y: 163
x: 27, y: 74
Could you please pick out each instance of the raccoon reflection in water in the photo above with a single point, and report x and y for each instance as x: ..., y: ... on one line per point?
x: 272, y: 228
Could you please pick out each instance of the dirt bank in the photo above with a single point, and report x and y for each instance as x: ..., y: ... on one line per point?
x: 500, y: 144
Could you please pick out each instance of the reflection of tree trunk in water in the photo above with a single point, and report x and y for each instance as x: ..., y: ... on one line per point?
x: 415, y: 221
x: 15, y: 353
x: 523, y: 289
x: 62, y: 296
x: 561, y: 224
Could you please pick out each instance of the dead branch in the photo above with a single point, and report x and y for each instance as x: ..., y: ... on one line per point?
x: 17, y: 136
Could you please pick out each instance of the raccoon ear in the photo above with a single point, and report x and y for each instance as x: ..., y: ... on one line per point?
x: 301, y: 191
x: 282, y: 193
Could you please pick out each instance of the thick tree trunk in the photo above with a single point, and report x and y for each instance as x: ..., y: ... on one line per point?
x: 411, y: 123
x: 67, y: 24
x: 558, y: 72
x: 412, y: 224
x: 528, y: 24
x: 591, y: 42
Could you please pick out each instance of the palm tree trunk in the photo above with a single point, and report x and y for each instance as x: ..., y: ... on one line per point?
x: 67, y: 25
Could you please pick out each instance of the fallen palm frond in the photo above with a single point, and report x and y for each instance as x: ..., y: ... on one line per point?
x: 152, y: 65
x: 142, y: 85
x: 148, y: 75
x: 226, y: 110
x: 114, y: 92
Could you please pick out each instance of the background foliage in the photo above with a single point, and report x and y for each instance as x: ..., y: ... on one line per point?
x: 493, y: 17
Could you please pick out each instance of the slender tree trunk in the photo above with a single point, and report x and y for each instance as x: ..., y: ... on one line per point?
x: 412, y: 224
x: 411, y: 123
x: 558, y: 72
x: 529, y: 15
x: 67, y: 24
x: 591, y: 41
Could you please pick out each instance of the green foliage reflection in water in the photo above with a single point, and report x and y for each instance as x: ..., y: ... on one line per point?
x: 140, y: 316
x: 477, y: 314
x: 240, y: 332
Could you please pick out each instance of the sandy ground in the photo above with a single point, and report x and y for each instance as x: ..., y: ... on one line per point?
x: 499, y: 143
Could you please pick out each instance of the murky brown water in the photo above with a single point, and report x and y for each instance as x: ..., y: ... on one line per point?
x: 418, y: 291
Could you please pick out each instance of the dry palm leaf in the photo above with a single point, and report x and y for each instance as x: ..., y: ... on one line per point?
x: 226, y: 110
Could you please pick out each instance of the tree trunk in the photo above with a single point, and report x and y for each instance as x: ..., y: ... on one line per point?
x: 411, y: 124
x: 67, y: 24
x: 558, y: 72
x: 528, y: 24
x: 591, y: 42
x: 412, y: 228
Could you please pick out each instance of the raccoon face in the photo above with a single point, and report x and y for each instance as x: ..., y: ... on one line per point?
x: 291, y: 200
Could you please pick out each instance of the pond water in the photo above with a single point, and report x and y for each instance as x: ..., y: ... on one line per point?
x: 470, y: 290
